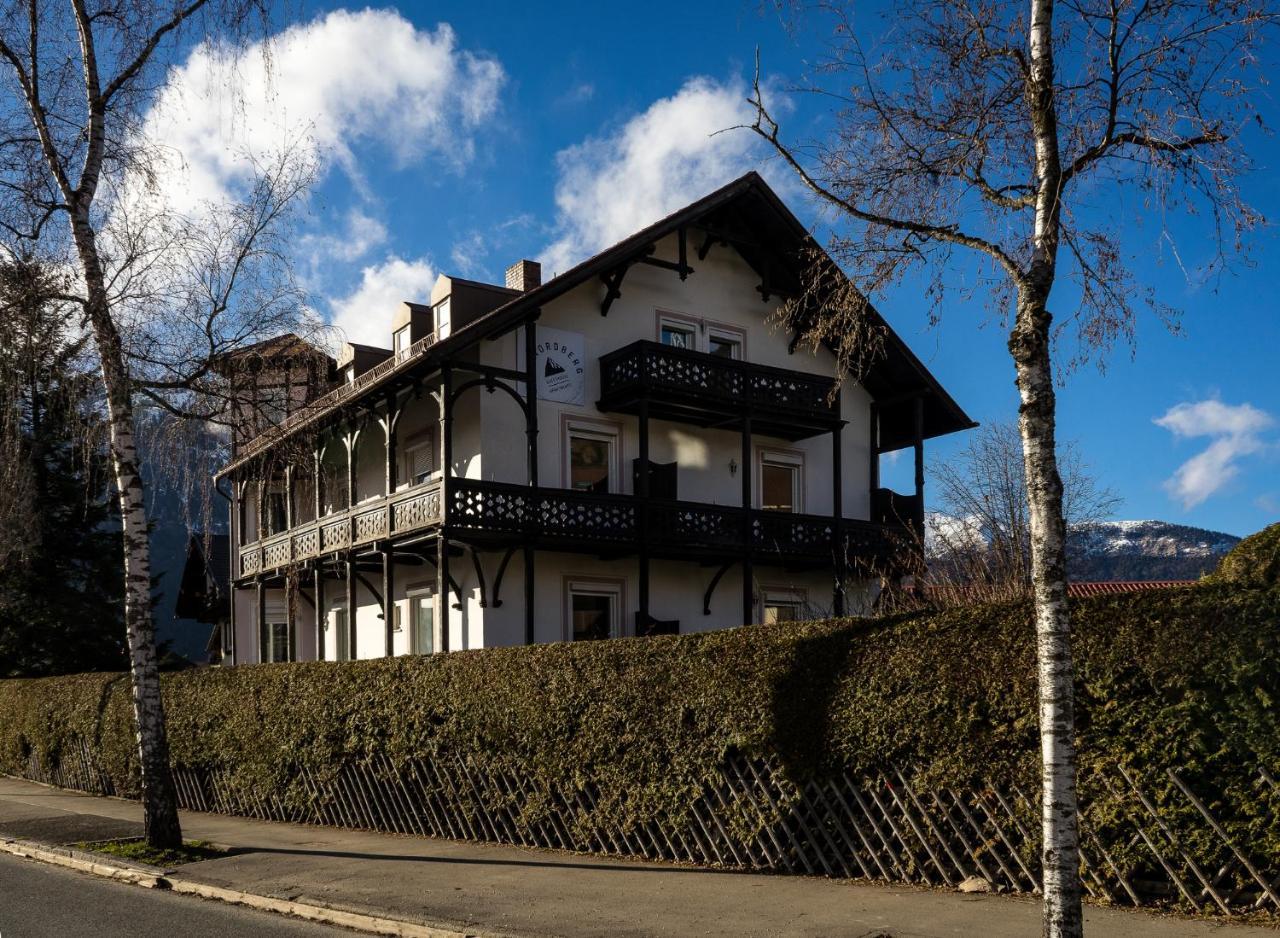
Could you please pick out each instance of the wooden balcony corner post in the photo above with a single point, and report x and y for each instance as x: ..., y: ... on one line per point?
x: 352, y: 609
x: 388, y: 597
x: 531, y: 433
x: 319, y: 608
x: 642, y: 483
x: 748, y: 529
x: 446, y: 494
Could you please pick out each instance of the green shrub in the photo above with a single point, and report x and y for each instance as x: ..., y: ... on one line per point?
x: 1254, y: 562
x: 1183, y: 677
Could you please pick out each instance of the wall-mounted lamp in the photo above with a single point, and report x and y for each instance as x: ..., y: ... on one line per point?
x: 733, y: 466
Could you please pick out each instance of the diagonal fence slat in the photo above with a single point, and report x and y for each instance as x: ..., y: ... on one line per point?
x: 1154, y: 841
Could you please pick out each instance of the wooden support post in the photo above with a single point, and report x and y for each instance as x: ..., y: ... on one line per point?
x: 288, y: 498
x: 319, y: 604
x: 748, y: 529
x: 290, y: 613
x: 442, y: 590
x: 262, y: 616
x: 351, y: 605
x: 390, y: 427
x: 388, y: 601
x: 318, y: 486
x: 837, y: 519
x: 874, y: 449
x: 642, y: 482
x: 528, y: 596
x: 262, y: 509
x: 531, y: 398
x: 919, y: 448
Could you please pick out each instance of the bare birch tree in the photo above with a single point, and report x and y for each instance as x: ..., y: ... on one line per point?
x: 161, y: 293
x: 980, y: 524
x: 1031, y: 135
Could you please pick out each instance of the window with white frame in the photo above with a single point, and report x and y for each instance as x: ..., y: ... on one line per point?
x: 594, y: 608
x: 422, y: 621
x: 678, y: 333
x: 782, y: 605
x: 441, y: 314
x: 724, y: 343
x: 781, y: 474
x: 400, y: 342
x: 338, y: 625
x: 275, y: 639
x: 592, y: 457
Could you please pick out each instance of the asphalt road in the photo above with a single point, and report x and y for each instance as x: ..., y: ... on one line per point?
x: 39, y: 901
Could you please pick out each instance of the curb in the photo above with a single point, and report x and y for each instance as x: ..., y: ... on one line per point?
x: 153, y: 878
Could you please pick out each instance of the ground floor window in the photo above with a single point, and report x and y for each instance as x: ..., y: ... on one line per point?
x: 422, y: 622
x: 276, y: 641
x: 337, y: 624
x: 782, y: 605
x: 593, y: 608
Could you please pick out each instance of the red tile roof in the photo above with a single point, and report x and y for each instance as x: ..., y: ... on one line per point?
x: 1106, y: 588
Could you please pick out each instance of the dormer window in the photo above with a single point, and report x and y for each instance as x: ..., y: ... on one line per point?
x: 441, y: 316
x: 400, y: 342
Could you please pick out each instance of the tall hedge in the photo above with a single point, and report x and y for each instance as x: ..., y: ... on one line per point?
x: 1184, y: 677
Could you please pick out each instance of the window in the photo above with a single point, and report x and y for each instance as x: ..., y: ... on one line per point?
x: 724, y: 343
x: 342, y: 635
x: 275, y: 640
x: 782, y: 606
x: 591, y: 457
x: 422, y: 622
x: 781, y: 481
x: 678, y: 335
x: 400, y: 342
x: 595, y: 609
x: 441, y: 314
x: 419, y: 462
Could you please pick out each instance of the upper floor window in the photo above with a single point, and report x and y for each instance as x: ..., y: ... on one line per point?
x: 592, y: 457
x: 400, y: 342
x: 442, y: 315
x: 781, y: 480
x: 700, y: 335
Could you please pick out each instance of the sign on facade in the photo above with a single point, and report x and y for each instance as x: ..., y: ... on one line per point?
x: 560, y: 367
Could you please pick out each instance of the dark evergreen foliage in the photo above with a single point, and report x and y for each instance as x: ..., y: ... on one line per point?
x: 60, y: 589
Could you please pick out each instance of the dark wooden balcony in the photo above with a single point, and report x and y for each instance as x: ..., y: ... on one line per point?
x: 619, y: 524
x: 373, y: 520
x: 709, y: 391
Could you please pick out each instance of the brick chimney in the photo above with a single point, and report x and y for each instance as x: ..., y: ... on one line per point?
x: 524, y: 276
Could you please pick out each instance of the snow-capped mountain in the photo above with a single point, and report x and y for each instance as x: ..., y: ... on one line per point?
x: 1143, y: 550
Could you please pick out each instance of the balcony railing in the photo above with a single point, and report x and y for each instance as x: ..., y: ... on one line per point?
x: 419, y: 507
x: 698, y: 387
x: 569, y: 520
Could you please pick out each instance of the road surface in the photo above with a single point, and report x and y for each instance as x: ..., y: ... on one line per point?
x: 40, y: 901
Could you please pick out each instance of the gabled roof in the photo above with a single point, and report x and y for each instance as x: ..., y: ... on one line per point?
x: 748, y: 215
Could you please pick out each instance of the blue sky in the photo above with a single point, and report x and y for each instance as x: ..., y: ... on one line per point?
x: 459, y: 137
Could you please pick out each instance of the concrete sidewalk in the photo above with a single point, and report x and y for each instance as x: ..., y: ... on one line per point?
x: 492, y: 890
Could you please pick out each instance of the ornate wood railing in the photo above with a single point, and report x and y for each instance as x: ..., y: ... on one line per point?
x: 699, y: 379
x: 418, y: 507
x: 569, y: 519
x: 564, y: 516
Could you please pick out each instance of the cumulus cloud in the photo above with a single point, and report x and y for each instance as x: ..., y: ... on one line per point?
x: 364, y: 315
x: 658, y: 161
x: 1235, y: 432
x: 324, y: 87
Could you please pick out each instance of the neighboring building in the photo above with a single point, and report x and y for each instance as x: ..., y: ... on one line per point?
x: 629, y: 448
x: 204, y: 593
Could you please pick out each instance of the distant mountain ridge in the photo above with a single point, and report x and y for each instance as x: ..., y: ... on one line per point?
x: 1143, y: 550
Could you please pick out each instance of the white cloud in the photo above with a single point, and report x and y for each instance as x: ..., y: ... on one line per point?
x: 1234, y: 430
x: 364, y: 315
x: 660, y: 160
x: 324, y: 86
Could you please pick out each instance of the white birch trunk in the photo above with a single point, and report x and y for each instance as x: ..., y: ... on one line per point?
x: 159, y: 800
x: 1030, y: 346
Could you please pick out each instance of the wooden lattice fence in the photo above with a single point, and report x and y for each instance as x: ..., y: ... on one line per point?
x: 1147, y: 838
